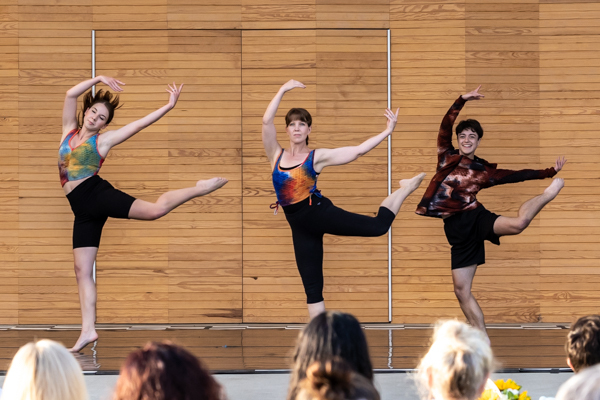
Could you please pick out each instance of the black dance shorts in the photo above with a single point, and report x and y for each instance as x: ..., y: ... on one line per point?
x: 466, y: 232
x: 92, y: 202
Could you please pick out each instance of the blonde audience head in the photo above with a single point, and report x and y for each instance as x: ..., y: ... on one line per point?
x: 44, y: 370
x: 335, y: 380
x: 457, y: 365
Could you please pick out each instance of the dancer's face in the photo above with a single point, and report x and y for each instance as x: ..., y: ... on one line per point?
x: 298, y: 131
x: 468, y: 142
x: 95, y: 117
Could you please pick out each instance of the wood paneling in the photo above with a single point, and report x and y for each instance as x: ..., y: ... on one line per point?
x: 346, y: 77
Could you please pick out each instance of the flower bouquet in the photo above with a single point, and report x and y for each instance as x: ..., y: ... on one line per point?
x: 501, y: 390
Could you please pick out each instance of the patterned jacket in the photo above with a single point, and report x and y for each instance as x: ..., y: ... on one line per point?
x: 458, y: 179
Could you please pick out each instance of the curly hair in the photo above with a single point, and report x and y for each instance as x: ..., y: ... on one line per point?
x: 110, y: 101
x: 583, y: 342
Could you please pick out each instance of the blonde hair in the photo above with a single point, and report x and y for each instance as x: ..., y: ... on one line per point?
x: 457, y: 364
x: 44, y: 370
x: 335, y: 380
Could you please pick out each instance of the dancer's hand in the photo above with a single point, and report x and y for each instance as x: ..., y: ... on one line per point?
x: 473, y: 95
x: 292, y: 84
x: 112, y: 83
x: 175, y: 92
x: 560, y: 162
x: 392, y: 119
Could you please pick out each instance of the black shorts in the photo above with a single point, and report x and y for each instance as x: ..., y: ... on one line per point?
x: 92, y: 202
x: 466, y: 232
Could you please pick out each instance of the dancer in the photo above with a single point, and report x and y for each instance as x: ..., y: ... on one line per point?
x: 451, y: 195
x: 81, y: 154
x: 310, y: 214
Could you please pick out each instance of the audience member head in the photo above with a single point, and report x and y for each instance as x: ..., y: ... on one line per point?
x: 330, y: 334
x: 44, y: 370
x: 583, y: 343
x: 335, y: 380
x: 164, y: 371
x: 584, y: 385
x: 457, y: 365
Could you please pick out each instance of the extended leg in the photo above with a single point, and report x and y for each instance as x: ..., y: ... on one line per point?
x: 407, y: 186
x: 463, y: 280
x: 145, y: 210
x: 84, y: 264
x: 529, y: 209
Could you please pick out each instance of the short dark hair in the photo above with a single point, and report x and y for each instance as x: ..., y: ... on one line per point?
x: 110, y: 101
x: 298, y: 114
x: 165, y: 371
x: 330, y: 334
x: 472, y: 124
x: 583, y: 342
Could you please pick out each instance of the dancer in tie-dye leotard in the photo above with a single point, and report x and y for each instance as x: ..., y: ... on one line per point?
x: 310, y: 214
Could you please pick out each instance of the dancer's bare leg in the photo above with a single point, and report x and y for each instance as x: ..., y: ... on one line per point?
x: 529, y: 209
x: 407, y: 186
x: 146, y: 210
x: 84, y: 264
x: 315, y: 309
x: 463, y: 280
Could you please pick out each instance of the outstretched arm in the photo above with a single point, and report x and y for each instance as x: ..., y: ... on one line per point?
x: 444, y: 142
x: 269, y: 133
x: 112, y: 138
x: 344, y: 155
x: 70, y: 106
x: 504, y: 176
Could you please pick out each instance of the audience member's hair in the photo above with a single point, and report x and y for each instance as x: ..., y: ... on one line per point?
x: 457, y: 365
x: 328, y: 335
x: 583, y: 342
x: 164, y: 371
x: 44, y: 370
x: 335, y: 380
x: 584, y: 385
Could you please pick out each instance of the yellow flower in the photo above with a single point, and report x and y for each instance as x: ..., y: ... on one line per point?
x: 509, y: 384
x: 523, y: 396
x: 489, y: 394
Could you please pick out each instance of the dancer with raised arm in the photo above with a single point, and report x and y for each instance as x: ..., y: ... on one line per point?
x: 311, y: 215
x: 451, y: 195
x: 81, y: 154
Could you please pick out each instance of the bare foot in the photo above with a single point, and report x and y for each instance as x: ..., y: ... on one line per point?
x: 555, y: 187
x: 413, y: 183
x: 210, y: 185
x: 84, y: 340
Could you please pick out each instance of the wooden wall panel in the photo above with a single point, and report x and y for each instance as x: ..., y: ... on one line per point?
x: 54, y: 54
x: 185, y: 267
x: 9, y: 173
x: 569, y: 102
x: 352, y: 97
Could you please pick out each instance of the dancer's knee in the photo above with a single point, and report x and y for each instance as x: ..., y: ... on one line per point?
x: 462, y: 292
x: 83, y: 272
x: 521, y: 224
x: 156, y: 212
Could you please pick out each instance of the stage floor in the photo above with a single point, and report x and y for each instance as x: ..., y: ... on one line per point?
x: 267, y: 348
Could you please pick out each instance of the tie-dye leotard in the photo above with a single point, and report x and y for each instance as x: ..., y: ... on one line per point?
x: 295, y: 184
x: 79, y: 162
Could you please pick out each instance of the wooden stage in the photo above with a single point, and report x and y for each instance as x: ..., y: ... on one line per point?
x: 260, y: 348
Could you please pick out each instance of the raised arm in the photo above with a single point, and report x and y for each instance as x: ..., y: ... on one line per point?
x: 344, y: 155
x: 112, y: 138
x: 504, y: 176
x: 269, y: 133
x: 70, y: 106
x: 444, y: 141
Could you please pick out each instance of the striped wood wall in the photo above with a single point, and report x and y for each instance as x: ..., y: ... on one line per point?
x: 537, y: 61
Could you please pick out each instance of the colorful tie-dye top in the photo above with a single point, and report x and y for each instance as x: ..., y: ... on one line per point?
x: 79, y: 162
x: 295, y: 184
x: 458, y: 179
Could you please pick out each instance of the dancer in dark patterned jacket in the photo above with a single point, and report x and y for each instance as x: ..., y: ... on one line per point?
x: 451, y: 195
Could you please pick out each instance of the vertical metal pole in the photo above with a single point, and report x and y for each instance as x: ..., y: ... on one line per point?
x: 389, y: 143
x: 94, y: 91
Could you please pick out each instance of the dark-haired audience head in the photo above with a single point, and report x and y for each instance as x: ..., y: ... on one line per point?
x: 298, y: 114
x: 457, y: 365
x: 583, y: 343
x: 330, y: 334
x: 584, y: 385
x: 101, y: 106
x: 164, y: 371
x: 335, y: 380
